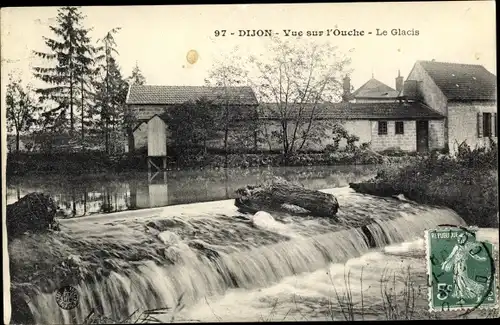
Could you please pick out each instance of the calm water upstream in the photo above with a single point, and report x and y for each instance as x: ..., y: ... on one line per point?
x: 91, y: 194
x: 222, y: 265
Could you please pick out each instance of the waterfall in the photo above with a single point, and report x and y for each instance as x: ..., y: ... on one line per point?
x: 194, y: 276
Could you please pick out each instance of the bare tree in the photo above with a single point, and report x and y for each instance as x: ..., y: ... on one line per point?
x: 228, y: 75
x: 295, y: 83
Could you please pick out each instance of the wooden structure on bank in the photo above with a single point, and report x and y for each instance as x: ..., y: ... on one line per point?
x: 157, y: 147
x: 152, y: 194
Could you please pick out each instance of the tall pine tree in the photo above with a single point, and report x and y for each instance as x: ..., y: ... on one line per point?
x: 71, y: 56
x: 111, y: 89
x: 87, y: 72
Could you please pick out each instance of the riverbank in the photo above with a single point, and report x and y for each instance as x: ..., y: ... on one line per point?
x: 466, y: 183
x: 78, y: 163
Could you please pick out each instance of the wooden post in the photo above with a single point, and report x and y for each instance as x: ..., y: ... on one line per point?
x: 165, y: 170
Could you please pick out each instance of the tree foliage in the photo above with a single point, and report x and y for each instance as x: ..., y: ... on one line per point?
x: 70, y: 55
x: 295, y: 81
x: 129, y: 120
x: 192, y: 124
x: 111, y: 92
x: 238, y: 122
x: 21, y: 108
x: 111, y: 89
x: 136, y: 78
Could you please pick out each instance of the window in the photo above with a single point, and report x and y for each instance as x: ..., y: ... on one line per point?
x: 400, y: 128
x: 495, y: 119
x: 487, y: 125
x: 382, y: 127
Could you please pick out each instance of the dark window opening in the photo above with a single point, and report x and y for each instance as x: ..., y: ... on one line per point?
x: 400, y: 128
x: 382, y: 127
x: 496, y: 124
x: 487, y: 125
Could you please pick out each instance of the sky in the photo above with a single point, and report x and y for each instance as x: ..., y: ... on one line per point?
x: 158, y: 38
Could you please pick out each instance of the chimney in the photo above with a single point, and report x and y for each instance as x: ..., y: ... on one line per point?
x: 411, y: 90
x: 347, y: 89
x: 399, y: 82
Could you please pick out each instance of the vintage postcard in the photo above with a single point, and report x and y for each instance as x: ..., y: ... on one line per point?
x: 249, y: 162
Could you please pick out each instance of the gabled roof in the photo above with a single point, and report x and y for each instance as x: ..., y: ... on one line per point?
x: 168, y: 95
x: 375, y: 89
x: 146, y: 121
x: 462, y: 82
x: 354, y: 111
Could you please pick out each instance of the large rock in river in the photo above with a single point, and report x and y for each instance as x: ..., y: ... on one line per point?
x: 35, y: 212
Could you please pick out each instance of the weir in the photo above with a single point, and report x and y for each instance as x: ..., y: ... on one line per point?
x: 194, y: 277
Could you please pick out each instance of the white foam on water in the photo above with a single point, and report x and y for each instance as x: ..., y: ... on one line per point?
x: 309, y: 296
x: 168, y: 238
x: 405, y: 247
x: 311, y: 267
x: 285, y: 301
x: 265, y: 220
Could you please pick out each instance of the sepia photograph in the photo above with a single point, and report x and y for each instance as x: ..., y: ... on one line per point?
x: 249, y: 163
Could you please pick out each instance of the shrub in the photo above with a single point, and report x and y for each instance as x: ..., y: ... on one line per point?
x: 466, y: 182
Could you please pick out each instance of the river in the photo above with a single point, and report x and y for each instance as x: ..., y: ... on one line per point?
x: 90, y: 194
x: 206, y: 262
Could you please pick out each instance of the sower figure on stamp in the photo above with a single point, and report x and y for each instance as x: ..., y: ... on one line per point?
x: 464, y: 287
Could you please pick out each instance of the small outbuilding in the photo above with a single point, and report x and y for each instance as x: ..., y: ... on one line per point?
x: 147, y: 103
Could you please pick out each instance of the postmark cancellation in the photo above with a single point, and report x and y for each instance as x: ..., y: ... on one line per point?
x: 67, y: 297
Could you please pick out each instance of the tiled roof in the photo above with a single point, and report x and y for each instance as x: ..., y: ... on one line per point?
x: 375, y: 89
x: 148, y: 94
x: 462, y: 82
x: 354, y: 111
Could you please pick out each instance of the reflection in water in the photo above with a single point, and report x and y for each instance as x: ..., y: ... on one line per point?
x: 91, y: 194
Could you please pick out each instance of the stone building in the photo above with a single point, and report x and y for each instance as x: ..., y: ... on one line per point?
x: 464, y: 93
x: 384, y: 125
x: 438, y: 106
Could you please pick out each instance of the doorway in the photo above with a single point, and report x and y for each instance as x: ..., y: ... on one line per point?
x: 422, y: 136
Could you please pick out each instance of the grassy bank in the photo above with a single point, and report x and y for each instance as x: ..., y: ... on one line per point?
x: 466, y: 182
x: 90, y: 162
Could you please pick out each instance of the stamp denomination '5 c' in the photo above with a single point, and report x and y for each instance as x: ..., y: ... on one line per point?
x: 461, y: 270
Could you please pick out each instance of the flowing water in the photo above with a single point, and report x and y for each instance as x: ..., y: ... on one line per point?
x: 223, y: 266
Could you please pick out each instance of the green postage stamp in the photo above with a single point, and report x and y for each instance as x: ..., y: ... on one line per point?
x: 461, y: 270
